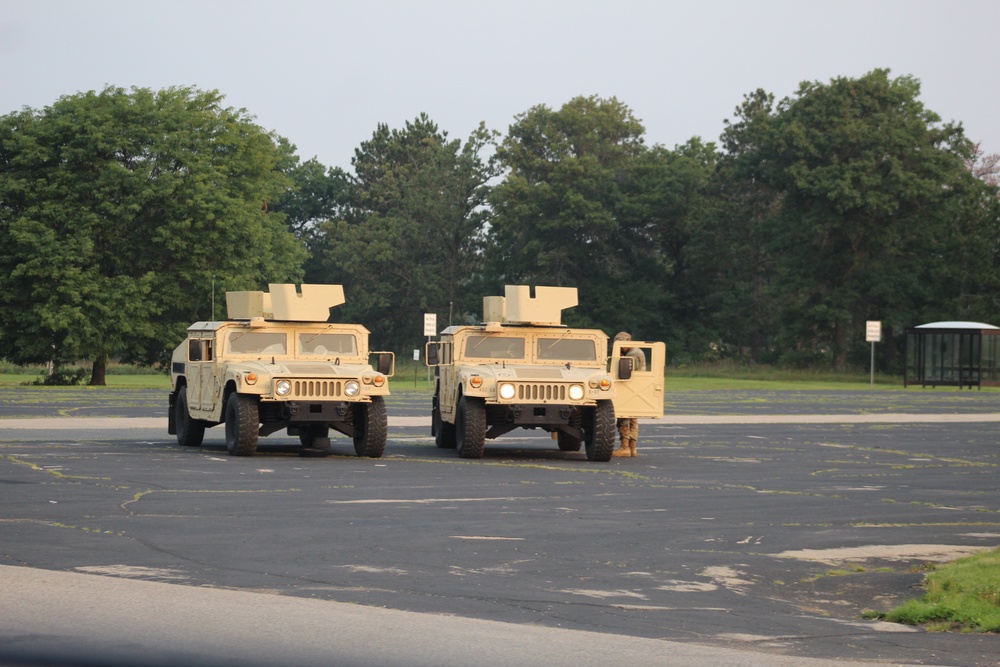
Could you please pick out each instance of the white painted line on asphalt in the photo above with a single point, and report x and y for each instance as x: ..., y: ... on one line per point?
x: 422, y: 501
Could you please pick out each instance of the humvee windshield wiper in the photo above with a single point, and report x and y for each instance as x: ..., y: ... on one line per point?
x: 476, y: 346
x: 315, y: 335
x: 557, y: 340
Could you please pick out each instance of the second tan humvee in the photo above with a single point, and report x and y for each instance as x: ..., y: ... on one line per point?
x: 522, y: 368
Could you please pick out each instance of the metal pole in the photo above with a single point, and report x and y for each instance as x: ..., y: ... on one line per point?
x: 213, y: 297
x: 873, y: 364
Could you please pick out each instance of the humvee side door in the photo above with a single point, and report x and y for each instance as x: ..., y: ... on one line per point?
x: 201, y: 351
x: 641, y: 394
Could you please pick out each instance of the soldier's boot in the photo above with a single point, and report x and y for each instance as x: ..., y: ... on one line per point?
x: 623, y: 450
x: 631, y: 448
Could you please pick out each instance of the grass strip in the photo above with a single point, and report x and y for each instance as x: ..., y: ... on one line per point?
x: 962, y: 596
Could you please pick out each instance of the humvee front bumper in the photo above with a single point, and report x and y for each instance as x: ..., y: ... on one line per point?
x: 503, y: 418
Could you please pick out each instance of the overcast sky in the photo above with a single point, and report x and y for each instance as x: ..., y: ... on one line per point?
x: 324, y: 73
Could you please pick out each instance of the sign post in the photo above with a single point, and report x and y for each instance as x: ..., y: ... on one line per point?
x: 873, y: 334
x: 430, y: 330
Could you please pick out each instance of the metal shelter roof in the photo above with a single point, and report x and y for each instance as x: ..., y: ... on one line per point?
x: 956, y: 325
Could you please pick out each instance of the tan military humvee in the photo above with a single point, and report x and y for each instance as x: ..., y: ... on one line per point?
x: 278, y: 364
x: 522, y: 368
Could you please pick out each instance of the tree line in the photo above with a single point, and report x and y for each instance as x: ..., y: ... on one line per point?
x: 124, y: 213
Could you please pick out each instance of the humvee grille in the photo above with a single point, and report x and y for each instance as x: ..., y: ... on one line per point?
x: 541, y: 392
x: 317, y: 388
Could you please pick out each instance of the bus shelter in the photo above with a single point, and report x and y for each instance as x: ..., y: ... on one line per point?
x: 962, y: 354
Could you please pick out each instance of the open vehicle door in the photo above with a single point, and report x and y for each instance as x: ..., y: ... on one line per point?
x: 638, y: 393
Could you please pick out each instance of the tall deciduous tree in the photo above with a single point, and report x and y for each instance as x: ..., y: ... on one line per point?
x: 585, y: 203
x: 556, y: 208
x: 408, y: 240
x: 871, y: 185
x: 120, y: 211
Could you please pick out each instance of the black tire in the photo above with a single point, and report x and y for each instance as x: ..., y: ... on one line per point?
x: 470, y: 427
x: 568, y: 443
x: 600, y: 431
x: 371, y: 426
x: 242, y: 424
x: 443, y: 432
x: 190, y: 432
x: 307, y: 434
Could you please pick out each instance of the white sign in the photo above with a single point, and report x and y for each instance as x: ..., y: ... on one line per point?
x: 416, y: 355
x: 873, y: 331
x: 430, y: 324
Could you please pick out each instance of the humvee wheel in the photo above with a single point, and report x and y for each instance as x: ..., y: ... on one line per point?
x: 370, y: 428
x: 242, y: 424
x: 443, y: 432
x: 190, y: 432
x: 599, y: 432
x: 568, y: 443
x: 470, y: 427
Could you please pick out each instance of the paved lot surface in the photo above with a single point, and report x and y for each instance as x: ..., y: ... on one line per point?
x: 766, y: 538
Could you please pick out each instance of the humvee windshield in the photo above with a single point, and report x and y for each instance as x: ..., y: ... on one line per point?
x: 327, y: 344
x: 252, y: 342
x: 494, y: 347
x: 566, y: 349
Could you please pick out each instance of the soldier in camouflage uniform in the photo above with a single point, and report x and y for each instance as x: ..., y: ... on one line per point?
x: 628, y: 427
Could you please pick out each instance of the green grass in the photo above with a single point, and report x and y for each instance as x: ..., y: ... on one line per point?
x: 117, y: 376
x: 963, y: 595
x: 728, y: 376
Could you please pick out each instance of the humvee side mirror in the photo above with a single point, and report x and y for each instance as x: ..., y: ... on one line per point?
x: 433, y: 354
x: 384, y: 363
x: 624, y: 368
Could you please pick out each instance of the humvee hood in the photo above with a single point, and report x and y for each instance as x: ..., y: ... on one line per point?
x: 303, y: 368
x: 527, y: 372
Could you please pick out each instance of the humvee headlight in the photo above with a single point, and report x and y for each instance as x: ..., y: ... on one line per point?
x: 506, y: 391
x: 282, y: 387
x: 250, y: 378
x: 352, y: 388
x: 575, y: 392
x: 605, y: 384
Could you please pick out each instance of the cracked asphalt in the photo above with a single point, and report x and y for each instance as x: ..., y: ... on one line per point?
x: 768, y: 539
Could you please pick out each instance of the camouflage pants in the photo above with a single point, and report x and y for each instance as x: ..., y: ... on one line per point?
x: 628, y: 429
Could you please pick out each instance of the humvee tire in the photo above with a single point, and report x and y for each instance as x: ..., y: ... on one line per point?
x: 242, y: 424
x: 371, y: 426
x: 599, y: 432
x: 567, y: 442
x: 470, y: 427
x: 190, y: 432
x: 443, y: 432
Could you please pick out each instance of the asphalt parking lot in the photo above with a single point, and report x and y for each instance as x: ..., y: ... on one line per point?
x: 769, y: 537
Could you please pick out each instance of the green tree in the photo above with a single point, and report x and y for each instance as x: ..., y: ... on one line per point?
x: 316, y: 196
x: 730, y: 261
x: 119, y: 211
x: 555, y: 209
x: 408, y: 238
x: 870, y: 183
x: 585, y: 203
